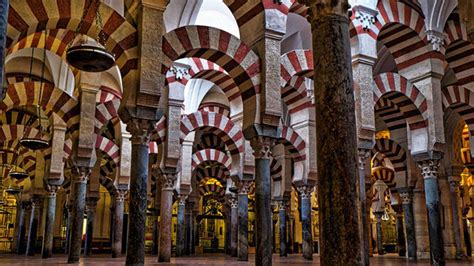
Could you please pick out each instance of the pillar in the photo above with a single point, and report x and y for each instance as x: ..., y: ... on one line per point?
x: 291, y: 234
x: 118, y: 223
x: 68, y: 227
x: 466, y: 235
x: 421, y: 223
x: 91, y: 206
x: 400, y: 231
x: 243, y: 245
x: 429, y: 171
x: 363, y: 155
x: 234, y: 225
x: 140, y: 138
x: 21, y: 244
x: 3, y: 39
x: 380, y: 249
x: 305, y: 193
x: 454, y: 183
x: 156, y: 214
x: 406, y: 195
x: 78, y: 205
x: 188, y: 220
x: 165, y: 216
x: 336, y: 153
x: 263, y: 211
x: 180, y: 230
x: 33, y: 230
x: 282, y: 206
x: 48, y: 236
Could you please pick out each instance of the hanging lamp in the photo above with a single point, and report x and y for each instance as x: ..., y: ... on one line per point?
x: 86, y: 54
x: 37, y: 142
x: 16, y: 172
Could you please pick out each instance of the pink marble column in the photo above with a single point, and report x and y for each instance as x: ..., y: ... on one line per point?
x: 165, y: 216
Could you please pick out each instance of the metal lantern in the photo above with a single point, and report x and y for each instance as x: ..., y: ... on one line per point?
x: 13, y: 190
x: 89, y: 56
x: 17, y: 173
x: 34, y: 143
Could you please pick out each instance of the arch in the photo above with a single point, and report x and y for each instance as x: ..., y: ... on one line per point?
x: 104, y: 112
x: 296, y: 63
x: 390, y: 114
x: 288, y: 137
x: 409, y: 100
x: 108, y: 147
x: 217, y: 46
x: 295, y: 95
x: 28, y: 160
x: 208, y: 141
x: 211, y: 155
x: 215, y: 189
x: 299, y: 9
x: 54, y: 100
x: 394, y: 152
x: 25, y: 18
x: 208, y: 169
x: 276, y: 169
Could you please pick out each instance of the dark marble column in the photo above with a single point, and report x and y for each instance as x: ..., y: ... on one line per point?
x: 234, y: 225
x: 49, y: 222
x: 400, y: 232
x: 189, y: 240
x: 91, y: 206
x: 336, y: 152
x: 180, y: 230
x: 156, y: 214
x: 79, y: 204
x: 118, y: 223
x: 140, y: 131
x: 305, y: 193
x: 282, y: 206
x: 429, y: 171
x: 406, y: 195
x: 243, y: 238
x: 68, y: 228
x: 362, y: 207
x: 291, y: 234
x: 226, y: 212
x: 454, y: 183
x: 466, y: 235
x: 33, y: 230
x: 263, y: 212
x: 21, y: 243
x: 380, y: 249
x: 165, y: 216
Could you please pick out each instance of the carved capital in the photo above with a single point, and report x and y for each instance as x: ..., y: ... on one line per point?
x: 305, y: 191
x: 436, y: 39
x: 429, y: 168
x: 91, y: 203
x: 51, y: 190
x: 320, y: 8
x: 406, y: 194
x: 244, y: 187
x: 182, y: 199
x: 283, y: 204
x: 140, y: 130
x: 363, y: 154
x: 35, y: 202
x: 262, y: 147
x: 234, y: 203
x: 81, y: 174
x: 120, y: 195
x: 168, y: 181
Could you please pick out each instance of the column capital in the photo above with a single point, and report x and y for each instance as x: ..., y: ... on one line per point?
x: 120, y: 195
x: 244, y: 187
x: 51, y: 190
x: 182, y: 199
x: 81, y: 173
x: 322, y: 8
x: 305, y: 191
x: 140, y: 130
x: 35, y: 202
x: 262, y: 147
x: 363, y: 155
x: 168, y: 181
x: 429, y: 168
x: 406, y: 194
x: 234, y: 203
x: 283, y: 204
x: 91, y: 203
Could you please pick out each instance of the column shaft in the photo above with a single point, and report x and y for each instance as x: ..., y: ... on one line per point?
x: 79, y: 204
x: 400, y: 235
x: 49, y: 223
x: 242, y: 248
x: 282, y: 221
x: 306, y: 192
x: 234, y: 227
x: 336, y: 153
x: 33, y: 230
x: 165, y: 218
x: 21, y: 247
x: 118, y: 223
x: 363, y: 217
x: 380, y: 248
x: 180, y: 230
x: 410, y: 229
x: 91, y: 208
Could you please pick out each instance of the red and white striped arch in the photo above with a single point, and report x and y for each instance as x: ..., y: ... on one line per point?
x: 275, y: 170
x: 105, y: 112
x: 395, y: 153
x: 212, y: 189
x: 211, y: 155
x: 299, y: 9
x: 108, y: 147
x: 409, y: 100
x: 214, y: 107
x: 292, y: 140
x: 390, y: 113
x: 219, y: 47
x: 211, y: 169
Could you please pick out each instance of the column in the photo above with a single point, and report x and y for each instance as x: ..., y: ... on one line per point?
x: 263, y: 211
x: 165, y: 216
x: 363, y: 155
x: 380, y: 249
x: 118, y: 223
x: 189, y: 240
x: 180, y: 230
x: 48, y: 236
x: 33, y: 230
x: 156, y: 214
x: 21, y: 245
x: 291, y: 234
x: 79, y: 204
x: 282, y: 206
x: 68, y: 227
x: 400, y: 232
x: 466, y: 235
x: 429, y: 171
x: 336, y: 153
x: 234, y: 225
x: 305, y: 193
x: 140, y: 132
x: 243, y: 245
x: 454, y: 183
x: 406, y: 195
x: 91, y: 206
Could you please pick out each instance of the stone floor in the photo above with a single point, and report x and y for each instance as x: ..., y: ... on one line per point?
x: 208, y: 259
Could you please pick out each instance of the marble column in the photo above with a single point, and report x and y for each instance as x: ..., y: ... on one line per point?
x: 21, y: 244
x: 406, y: 194
x: 234, y: 225
x: 91, y: 206
x: 118, y: 223
x: 79, y: 204
x: 466, y: 235
x: 48, y: 236
x: 291, y: 234
x: 363, y: 155
x: 156, y: 214
x: 165, y: 217
x: 336, y: 152
x: 68, y: 228
x: 243, y: 245
x: 380, y: 249
x: 429, y: 171
x: 305, y: 193
x: 282, y: 206
x: 33, y: 229
x: 262, y: 147
x: 140, y: 138
x: 454, y: 183
x: 180, y: 230
x: 400, y: 232
x: 189, y: 240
